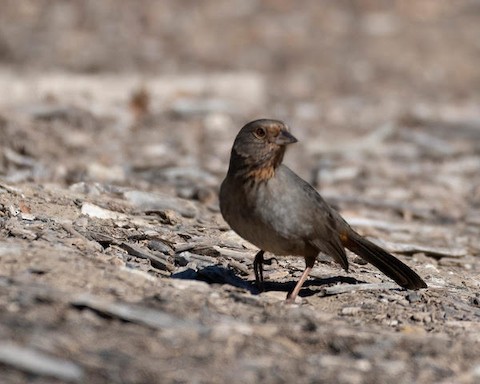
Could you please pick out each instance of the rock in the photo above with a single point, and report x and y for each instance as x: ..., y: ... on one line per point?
x: 39, y: 363
x: 351, y: 311
x: 97, y: 171
x: 93, y: 210
x: 147, y: 201
x: 413, y: 297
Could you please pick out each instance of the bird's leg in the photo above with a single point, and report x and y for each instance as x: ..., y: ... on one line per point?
x: 258, y: 263
x: 258, y: 269
x: 309, y: 262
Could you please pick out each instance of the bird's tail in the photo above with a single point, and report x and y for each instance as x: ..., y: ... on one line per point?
x: 384, y: 261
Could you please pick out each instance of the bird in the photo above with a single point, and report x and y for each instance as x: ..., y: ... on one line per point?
x: 270, y: 206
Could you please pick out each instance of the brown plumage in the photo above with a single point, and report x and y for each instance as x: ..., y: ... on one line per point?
x: 270, y: 206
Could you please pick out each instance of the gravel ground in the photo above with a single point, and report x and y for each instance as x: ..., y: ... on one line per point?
x: 116, y: 122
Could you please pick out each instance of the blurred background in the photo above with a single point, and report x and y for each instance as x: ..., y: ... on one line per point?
x: 152, y: 93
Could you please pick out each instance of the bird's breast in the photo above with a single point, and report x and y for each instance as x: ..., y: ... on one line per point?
x: 257, y: 213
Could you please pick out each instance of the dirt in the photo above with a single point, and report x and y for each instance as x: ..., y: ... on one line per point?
x: 116, y: 122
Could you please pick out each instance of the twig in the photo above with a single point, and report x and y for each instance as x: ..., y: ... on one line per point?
x: 230, y: 253
x: 135, y: 314
x: 399, y: 207
x: 410, y: 249
x: 389, y: 226
x: 338, y: 289
x: 156, y: 261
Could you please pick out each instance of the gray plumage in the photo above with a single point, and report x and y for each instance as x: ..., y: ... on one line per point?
x: 267, y: 204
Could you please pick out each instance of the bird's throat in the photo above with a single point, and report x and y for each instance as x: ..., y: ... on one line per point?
x: 257, y: 168
x: 261, y: 174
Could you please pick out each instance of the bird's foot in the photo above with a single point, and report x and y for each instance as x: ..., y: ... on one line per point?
x: 258, y: 263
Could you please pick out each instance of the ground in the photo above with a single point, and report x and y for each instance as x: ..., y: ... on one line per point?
x: 116, y: 122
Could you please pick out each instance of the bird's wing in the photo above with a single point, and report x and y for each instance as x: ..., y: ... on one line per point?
x: 333, y: 249
x: 322, y: 224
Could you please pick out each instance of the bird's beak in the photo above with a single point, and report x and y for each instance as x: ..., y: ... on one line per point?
x: 285, y: 138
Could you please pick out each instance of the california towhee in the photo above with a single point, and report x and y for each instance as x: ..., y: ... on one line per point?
x: 269, y: 205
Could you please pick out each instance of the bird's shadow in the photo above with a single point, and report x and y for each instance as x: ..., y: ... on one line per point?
x: 215, y: 274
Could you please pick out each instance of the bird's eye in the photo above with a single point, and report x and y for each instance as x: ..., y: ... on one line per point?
x: 260, y: 133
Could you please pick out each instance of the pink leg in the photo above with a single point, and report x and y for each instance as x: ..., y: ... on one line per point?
x: 308, y: 267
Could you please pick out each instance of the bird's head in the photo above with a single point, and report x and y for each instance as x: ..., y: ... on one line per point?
x: 259, y: 148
